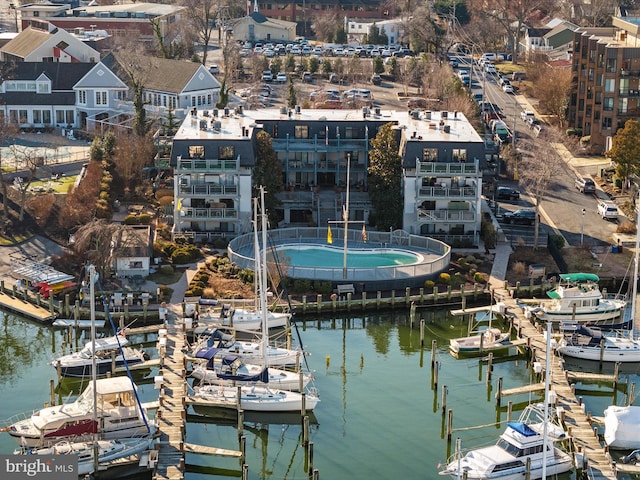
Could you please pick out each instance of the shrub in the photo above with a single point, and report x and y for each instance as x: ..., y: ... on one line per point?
x: 180, y: 257
x: 202, y: 277
x: 301, y: 285
x: 322, y: 286
x: 478, y: 277
x: 444, y: 278
x: 429, y: 284
x: 166, y: 269
x: 558, y: 240
x: 144, y: 218
x: 209, y: 293
x: 246, y: 275
x: 519, y: 268
x: 456, y: 280
x: 165, y: 292
x: 194, y: 292
x: 573, y: 132
x: 220, y: 243
x: 626, y: 227
x: 196, y: 283
x: 130, y: 219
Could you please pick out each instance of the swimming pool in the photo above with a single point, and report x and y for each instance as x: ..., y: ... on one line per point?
x: 333, y: 257
x: 388, y: 260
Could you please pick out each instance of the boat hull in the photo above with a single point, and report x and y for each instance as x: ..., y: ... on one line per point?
x: 103, y: 368
x: 281, y: 379
x: 255, y: 399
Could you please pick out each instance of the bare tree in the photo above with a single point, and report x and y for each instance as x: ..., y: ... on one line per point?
x: 132, y: 154
x: 28, y: 160
x: 552, y: 86
x: 202, y: 15
x: 511, y: 15
x: 7, y: 132
x: 101, y: 241
x: 537, y: 171
x: 325, y: 26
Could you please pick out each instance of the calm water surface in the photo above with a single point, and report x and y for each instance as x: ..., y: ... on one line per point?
x: 379, y: 416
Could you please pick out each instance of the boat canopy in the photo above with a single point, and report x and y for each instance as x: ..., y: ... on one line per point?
x: 522, y: 428
x: 579, y: 277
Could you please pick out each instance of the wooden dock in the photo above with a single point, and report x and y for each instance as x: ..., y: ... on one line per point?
x: 25, y: 308
x: 171, y: 416
x: 584, y: 437
x: 172, y: 409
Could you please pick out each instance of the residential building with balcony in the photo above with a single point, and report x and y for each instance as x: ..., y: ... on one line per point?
x: 324, y: 154
x: 605, y: 90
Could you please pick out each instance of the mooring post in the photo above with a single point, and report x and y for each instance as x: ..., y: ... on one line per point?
x: 444, y: 399
x: 499, y: 393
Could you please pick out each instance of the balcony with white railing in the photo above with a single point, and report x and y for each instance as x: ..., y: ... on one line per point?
x: 435, y: 168
x: 445, y: 192
x: 208, y: 189
x: 185, y: 165
x: 445, y: 215
x: 209, y: 213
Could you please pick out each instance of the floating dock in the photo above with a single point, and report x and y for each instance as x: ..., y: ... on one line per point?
x: 26, y: 309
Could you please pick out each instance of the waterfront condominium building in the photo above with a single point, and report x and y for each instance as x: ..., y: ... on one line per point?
x: 605, y: 90
x: 324, y: 155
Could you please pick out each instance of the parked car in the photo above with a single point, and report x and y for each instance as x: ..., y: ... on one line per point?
x: 607, y: 210
x: 333, y: 78
x: 585, y: 185
x: 526, y: 114
x: 507, y: 193
x: 267, y: 76
x: 376, y: 79
x: 213, y: 69
x: 522, y: 217
x: 307, y: 77
x: 281, y: 77
x: 507, y: 88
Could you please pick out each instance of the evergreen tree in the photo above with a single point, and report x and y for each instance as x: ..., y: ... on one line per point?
x: 292, y: 100
x: 268, y: 173
x: 625, y: 151
x: 378, y: 65
x: 385, y: 179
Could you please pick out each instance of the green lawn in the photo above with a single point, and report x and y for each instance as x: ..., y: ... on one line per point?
x: 164, y: 279
x: 57, y: 186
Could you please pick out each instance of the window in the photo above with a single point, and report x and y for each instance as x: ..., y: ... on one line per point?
x: 135, y: 264
x: 610, y: 85
x: 590, y: 74
x: 608, y: 104
x: 623, y: 89
x: 82, y: 97
x: 18, y: 116
x: 459, y: 155
x: 430, y: 155
x: 598, y: 99
x: 101, y: 98
x: 43, y: 87
x: 611, y: 65
x: 302, y: 131
x: 599, y: 78
x: 37, y: 117
x: 196, y: 151
x: 226, y: 153
x: 62, y: 45
x: 623, y: 105
x: 606, y: 123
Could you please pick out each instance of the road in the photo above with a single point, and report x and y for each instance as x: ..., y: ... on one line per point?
x: 563, y: 206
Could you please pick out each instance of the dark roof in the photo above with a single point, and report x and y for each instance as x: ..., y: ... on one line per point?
x: 63, y: 76
x: 258, y: 17
x: 32, y: 98
x: 537, y: 32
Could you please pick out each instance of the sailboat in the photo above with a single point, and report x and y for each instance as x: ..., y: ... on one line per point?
x: 105, y: 425
x: 257, y: 397
x: 248, y: 351
x: 224, y: 368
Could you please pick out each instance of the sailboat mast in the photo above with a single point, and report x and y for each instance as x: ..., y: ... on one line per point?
x: 263, y: 280
x: 547, y: 381
x: 635, y: 277
x: 94, y: 373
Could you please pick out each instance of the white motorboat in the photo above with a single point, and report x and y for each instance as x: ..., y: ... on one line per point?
x: 577, y: 297
x: 248, y: 351
x: 487, y: 340
x: 108, y: 451
x: 254, y: 397
x: 521, y: 442
x: 621, y: 425
x: 223, y: 368
x: 107, y: 351
x: 593, y: 344
x: 117, y: 415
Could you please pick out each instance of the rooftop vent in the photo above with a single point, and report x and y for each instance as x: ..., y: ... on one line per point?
x: 298, y: 109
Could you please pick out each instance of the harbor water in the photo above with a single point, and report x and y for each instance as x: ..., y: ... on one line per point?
x: 380, y: 415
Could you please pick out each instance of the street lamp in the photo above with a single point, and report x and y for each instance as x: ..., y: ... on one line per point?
x: 584, y: 210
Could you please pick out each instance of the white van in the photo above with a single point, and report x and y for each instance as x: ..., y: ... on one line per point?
x: 488, y: 57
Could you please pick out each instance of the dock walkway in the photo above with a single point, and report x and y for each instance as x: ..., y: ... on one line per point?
x: 25, y: 308
x: 171, y: 415
x: 585, y: 438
